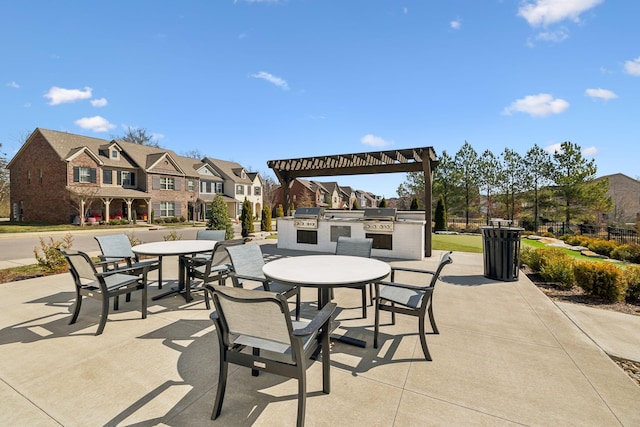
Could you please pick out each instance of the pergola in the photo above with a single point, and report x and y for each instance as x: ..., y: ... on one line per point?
x: 391, y: 161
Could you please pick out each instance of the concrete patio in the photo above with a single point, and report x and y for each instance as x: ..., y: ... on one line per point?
x: 505, y: 355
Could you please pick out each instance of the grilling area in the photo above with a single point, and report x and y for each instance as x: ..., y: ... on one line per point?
x: 395, y: 234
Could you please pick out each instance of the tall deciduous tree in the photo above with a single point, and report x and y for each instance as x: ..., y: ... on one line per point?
x: 138, y: 136
x: 573, y: 176
x: 466, y: 168
x: 412, y: 187
x: 490, y: 178
x: 219, y: 217
x: 445, y: 182
x: 538, y: 174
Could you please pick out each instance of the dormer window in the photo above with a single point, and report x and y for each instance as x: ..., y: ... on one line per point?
x: 114, y: 154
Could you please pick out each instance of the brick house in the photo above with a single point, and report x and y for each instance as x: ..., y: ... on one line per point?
x: 56, y: 176
x: 330, y: 195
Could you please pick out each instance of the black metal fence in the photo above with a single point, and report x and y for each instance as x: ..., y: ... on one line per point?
x: 619, y: 234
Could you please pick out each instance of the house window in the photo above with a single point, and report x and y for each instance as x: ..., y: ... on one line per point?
x: 257, y: 191
x: 127, y: 179
x: 84, y: 174
x: 40, y: 176
x: 219, y: 188
x: 248, y: 190
x: 239, y: 189
x: 191, y: 185
x: 167, y: 209
x: 114, y: 154
x: 167, y: 183
x: 107, y: 176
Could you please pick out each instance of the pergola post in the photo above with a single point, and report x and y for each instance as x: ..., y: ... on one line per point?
x: 428, y: 178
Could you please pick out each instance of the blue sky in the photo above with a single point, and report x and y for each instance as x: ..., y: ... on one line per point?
x: 252, y: 81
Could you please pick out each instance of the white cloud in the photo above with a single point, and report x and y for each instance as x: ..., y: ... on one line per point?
x: 13, y: 85
x: 271, y: 79
x: 590, y: 151
x: 601, y: 94
x: 101, y: 102
x: 545, y: 12
x: 633, y: 67
x: 539, y: 105
x: 95, y: 123
x: 58, y: 95
x: 405, y: 10
x: 556, y: 36
x: 456, y: 24
x: 375, y: 141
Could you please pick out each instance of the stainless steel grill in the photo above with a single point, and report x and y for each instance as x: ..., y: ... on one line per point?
x: 309, y: 213
x: 379, y: 214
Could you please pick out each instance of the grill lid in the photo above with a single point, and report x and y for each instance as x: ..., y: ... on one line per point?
x: 314, y: 212
x: 380, y: 214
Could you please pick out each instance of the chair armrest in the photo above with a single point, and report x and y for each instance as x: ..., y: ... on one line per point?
x: 122, y: 270
x: 405, y: 286
x: 316, y: 323
x: 252, y: 278
x: 412, y: 270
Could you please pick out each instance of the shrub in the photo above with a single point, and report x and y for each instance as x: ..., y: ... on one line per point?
x: 602, y: 246
x: 51, y: 259
x: 557, y: 266
x: 173, y: 235
x: 532, y: 257
x: 246, y: 218
x: 631, y: 276
x: 600, y: 279
x: 629, y: 252
x: 183, y: 219
x: 219, y: 217
x: 577, y: 240
x: 265, y: 223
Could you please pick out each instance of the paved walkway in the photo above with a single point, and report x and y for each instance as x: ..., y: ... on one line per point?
x: 505, y: 355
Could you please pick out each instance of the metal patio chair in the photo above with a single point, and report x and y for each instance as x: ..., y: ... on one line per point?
x: 102, y: 285
x: 356, y: 246
x: 260, y: 320
x: 408, y: 299
x: 116, y: 249
x: 247, y: 261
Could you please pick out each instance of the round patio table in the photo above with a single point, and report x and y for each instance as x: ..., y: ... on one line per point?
x: 325, y: 272
x: 172, y: 248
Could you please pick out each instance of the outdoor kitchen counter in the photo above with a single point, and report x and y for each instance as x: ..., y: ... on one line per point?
x: 407, y: 237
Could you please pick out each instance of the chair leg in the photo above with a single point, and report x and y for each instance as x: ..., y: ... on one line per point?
x: 128, y: 297
x: 302, y: 393
x: 371, y: 294
x: 377, y: 324
x: 423, y: 338
x: 364, y: 302
x: 326, y: 359
x: 298, y: 305
x: 116, y: 303
x: 144, y: 296
x: 105, y: 313
x: 432, y: 320
x: 76, y: 310
x: 256, y: 352
x: 222, y: 385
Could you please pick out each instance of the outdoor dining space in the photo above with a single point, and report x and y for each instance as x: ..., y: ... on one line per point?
x: 504, y: 355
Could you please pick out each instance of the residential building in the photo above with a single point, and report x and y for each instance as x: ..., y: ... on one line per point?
x: 60, y: 177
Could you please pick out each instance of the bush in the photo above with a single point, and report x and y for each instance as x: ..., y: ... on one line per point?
x: 219, y: 217
x: 631, y: 276
x: 602, y: 246
x: 532, y: 257
x: 557, y: 266
x: 183, y: 219
x: 629, y: 252
x: 265, y: 223
x: 600, y: 279
x: 51, y: 259
x: 173, y: 235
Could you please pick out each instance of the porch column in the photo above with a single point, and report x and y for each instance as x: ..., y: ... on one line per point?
x: 129, y: 203
x: 107, y: 203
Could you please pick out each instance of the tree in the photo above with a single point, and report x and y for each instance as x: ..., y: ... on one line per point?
x: 490, y: 178
x: 246, y: 218
x: 219, y: 217
x: 279, y: 211
x: 269, y: 190
x: 382, y: 203
x: 306, y: 200
x: 82, y: 198
x: 538, y: 173
x: 138, y: 136
x: 445, y: 182
x: 440, y: 216
x: 573, y: 176
x: 513, y: 169
x: 414, y: 204
x: 265, y: 222
x: 194, y: 154
x: 412, y: 187
x: 355, y: 205
x: 466, y: 169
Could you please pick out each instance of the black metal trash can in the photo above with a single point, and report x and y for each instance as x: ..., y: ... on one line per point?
x: 501, y: 250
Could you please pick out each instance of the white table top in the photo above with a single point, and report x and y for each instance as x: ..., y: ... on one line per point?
x: 174, y: 247
x: 326, y: 270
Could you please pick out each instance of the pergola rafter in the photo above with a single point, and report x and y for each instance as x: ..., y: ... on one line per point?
x: 389, y: 161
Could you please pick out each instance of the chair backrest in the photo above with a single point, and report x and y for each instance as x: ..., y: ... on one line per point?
x: 355, y: 246
x: 444, y: 260
x: 220, y: 254
x: 259, y: 316
x: 247, y: 259
x: 115, y: 246
x: 81, y: 267
x: 218, y: 235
